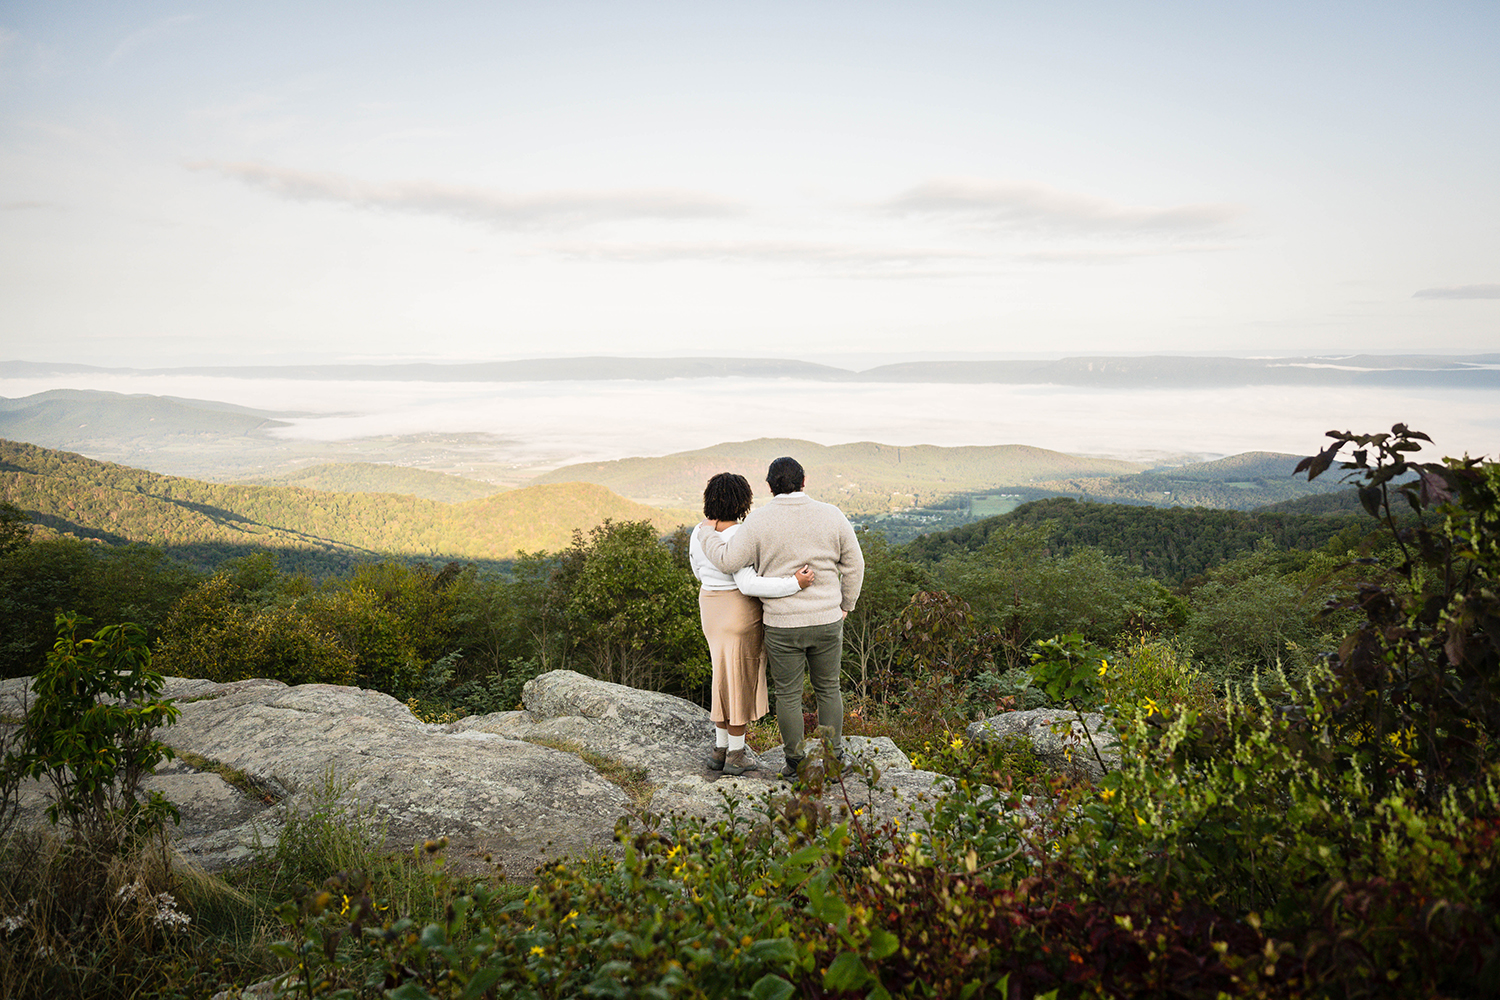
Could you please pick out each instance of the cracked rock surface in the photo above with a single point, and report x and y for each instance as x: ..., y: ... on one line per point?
x: 481, y: 781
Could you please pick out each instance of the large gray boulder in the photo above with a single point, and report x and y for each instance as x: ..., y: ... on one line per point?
x: 484, y: 792
x: 1058, y: 737
x: 511, y: 785
x: 648, y: 715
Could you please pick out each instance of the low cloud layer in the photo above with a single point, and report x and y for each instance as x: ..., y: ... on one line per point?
x: 1039, y: 208
x: 1491, y: 291
x: 561, y: 422
x: 502, y: 210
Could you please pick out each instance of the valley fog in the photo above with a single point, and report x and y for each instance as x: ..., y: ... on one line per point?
x: 557, y: 422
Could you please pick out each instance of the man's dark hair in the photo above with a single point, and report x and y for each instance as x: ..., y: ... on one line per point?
x: 785, y: 476
x: 727, y: 497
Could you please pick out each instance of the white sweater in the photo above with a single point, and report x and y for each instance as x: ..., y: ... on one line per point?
x: 745, y: 580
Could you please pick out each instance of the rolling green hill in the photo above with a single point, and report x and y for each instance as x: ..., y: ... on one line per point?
x: 1246, y: 466
x: 1172, y: 544
x: 1239, y: 482
x: 206, y: 522
x: 373, y: 477
x: 862, y: 478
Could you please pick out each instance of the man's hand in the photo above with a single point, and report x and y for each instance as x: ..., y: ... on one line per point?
x: 805, y: 577
x: 843, y: 614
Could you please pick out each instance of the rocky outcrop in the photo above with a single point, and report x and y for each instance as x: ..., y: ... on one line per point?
x: 1057, y: 736
x: 510, y: 785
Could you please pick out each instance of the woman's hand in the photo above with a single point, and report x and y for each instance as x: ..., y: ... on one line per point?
x: 805, y: 577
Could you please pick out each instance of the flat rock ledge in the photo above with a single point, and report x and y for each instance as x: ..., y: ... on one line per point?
x: 491, y: 784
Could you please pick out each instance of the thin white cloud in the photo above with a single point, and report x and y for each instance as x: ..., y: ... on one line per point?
x: 1114, y: 255
x: 757, y: 251
x: 1489, y: 291
x: 1040, y: 208
x: 907, y: 262
x: 144, y: 36
x: 501, y: 210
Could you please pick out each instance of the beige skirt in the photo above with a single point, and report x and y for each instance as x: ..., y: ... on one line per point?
x: 736, y: 644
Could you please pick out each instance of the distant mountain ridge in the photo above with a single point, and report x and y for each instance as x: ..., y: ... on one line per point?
x: 319, y: 531
x: 84, y: 413
x: 861, y: 478
x: 1480, y: 371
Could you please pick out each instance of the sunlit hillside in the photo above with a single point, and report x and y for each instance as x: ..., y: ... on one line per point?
x: 373, y: 477
x: 68, y: 494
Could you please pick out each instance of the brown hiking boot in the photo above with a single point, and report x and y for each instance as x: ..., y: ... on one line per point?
x: 738, y: 762
x: 716, y: 759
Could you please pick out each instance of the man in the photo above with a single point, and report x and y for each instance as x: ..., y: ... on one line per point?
x: 804, y: 632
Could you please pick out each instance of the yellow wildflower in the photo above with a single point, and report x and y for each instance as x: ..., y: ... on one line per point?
x: 1103, y: 666
x: 1107, y: 795
x: 538, y: 950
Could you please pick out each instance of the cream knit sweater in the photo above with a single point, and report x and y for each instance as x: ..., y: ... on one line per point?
x: 791, y: 531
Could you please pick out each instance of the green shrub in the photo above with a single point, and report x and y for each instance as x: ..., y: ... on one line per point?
x: 100, y: 907
x: 219, y: 632
x: 978, y: 762
x: 1151, y: 674
x: 695, y: 909
x: 88, y: 730
x: 1423, y: 665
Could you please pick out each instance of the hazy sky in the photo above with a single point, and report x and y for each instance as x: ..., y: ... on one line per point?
x: 266, y: 181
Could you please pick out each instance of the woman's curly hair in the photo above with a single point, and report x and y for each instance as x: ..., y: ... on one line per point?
x: 727, y: 497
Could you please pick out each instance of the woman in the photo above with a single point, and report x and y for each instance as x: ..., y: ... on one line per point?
x: 730, y: 610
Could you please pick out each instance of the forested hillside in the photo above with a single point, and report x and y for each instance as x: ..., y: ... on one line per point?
x: 373, y: 477
x: 1172, y: 544
x: 1240, y: 482
x: 318, y: 531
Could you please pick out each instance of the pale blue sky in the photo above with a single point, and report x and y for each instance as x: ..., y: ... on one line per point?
x: 236, y: 182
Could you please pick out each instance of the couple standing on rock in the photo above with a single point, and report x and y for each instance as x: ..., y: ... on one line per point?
x: 776, y: 587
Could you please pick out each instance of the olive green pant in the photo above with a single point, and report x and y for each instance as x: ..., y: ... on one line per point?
x: 814, y: 651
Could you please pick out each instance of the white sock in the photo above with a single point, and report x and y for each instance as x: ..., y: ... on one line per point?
x: 721, y: 737
x: 736, y: 742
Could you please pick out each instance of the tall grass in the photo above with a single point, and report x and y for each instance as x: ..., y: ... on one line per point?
x: 79, y: 922
x: 327, y: 833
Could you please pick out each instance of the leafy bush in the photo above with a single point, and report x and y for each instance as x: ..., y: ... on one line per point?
x: 102, y: 911
x: 739, y: 907
x: 1424, y: 662
x: 631, y: 609
x: 88, y: 733
x: 1152, y: 673
x: 218, y: 632
x: 1011, y: 758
